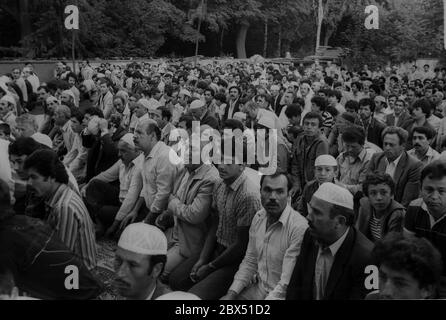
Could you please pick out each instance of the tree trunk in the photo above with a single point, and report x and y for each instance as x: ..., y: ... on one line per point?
x: 25, y: 22
x: 327, y: 36
x: 222, y: 36
x: 241, y: 39
x: 279, y: 42
x: 265, y: 38
x: 319, y: 24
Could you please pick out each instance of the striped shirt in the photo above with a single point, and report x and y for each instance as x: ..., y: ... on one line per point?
x: 236, y: 205
x: 375, y: 228
x: 68, y: 216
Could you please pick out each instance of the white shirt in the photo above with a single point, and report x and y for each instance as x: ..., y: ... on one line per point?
x: 323, y: 270
x: 391, y: 167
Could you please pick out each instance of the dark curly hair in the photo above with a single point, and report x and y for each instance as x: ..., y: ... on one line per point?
x: 414, y: 255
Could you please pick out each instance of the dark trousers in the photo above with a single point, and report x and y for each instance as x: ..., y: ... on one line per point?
x: 103, y: 202
x: 213, y: 287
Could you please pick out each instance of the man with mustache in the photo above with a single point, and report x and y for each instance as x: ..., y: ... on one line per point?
x: 421, y: 139
x: 275, y: 238
x: 333, y: 253
x: 235, y: 201
x: 139, y: 261
x: 404, y: 169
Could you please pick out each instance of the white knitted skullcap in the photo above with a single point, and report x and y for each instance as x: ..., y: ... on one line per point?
x: 185, y: 92
x: 178, y: 295
x: 70, y: 93
x: 267, y: 121
x: 145, y: 103
x: 128, y: 138
x: 143, y: 238
x: 10, y: 99
x: 325, y: 160
x: 196, y: 104
x: 334, y: 194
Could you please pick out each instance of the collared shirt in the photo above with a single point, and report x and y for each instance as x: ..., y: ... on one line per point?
x: 68, y: 135
x: 428, y: 157
x: 122, y: 172
x: 149, y: 297
x: 236, y: 205
x: 231, y: 108
x: 76, y: 158
x: 352, y: 172
x: 68, y: 216
x: 421, y: 222
x: 324, y: 262
x: 159, y: 170
x: 272, y: 252
x: 391, y: 167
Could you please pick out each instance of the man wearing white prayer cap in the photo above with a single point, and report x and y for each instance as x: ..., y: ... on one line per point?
x: 178, y: 295
x: 326, y: 170
x: 139, y: 261
x: 111, y: 203
x: 200, y: 111
x: 68, y: 96
x: 333, y: 254
x: 8, y: 110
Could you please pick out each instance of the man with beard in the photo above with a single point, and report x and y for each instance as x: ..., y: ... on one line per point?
x: 233, y: 104
x: 372, y: 127
x: 333, y: 254
x: 139, y: 262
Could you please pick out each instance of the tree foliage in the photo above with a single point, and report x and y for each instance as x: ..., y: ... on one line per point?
x: 118, y: 28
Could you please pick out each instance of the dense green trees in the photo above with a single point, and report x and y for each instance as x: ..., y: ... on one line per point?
x: 118, y: 28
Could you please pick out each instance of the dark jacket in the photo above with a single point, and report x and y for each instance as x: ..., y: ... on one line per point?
x: 37, y: 258
x: 373, y: 131
x: 304, y: 156
x: 393, y: 220
x: 209, y: 120
x: 309, y: 189
x: 102, y: 153
x: 404, y: 117
x: 275, y: 103
x: 236, y: 109
x: 407, y: 176
x: 346, y: 279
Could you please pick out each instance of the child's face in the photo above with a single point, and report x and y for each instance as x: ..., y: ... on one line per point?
x: 325, y: 174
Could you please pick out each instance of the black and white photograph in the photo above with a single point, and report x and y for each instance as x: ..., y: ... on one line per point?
x: 238, y: 151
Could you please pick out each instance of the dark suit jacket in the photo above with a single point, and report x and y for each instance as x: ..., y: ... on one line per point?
x: 102, y: 153
x: 236, y: 109
x: 404, y: 117
x: 275, y: 103
x: 346, y: 279
x: 407, y: 176
x: 209, y: 120
x: 374, y: 131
